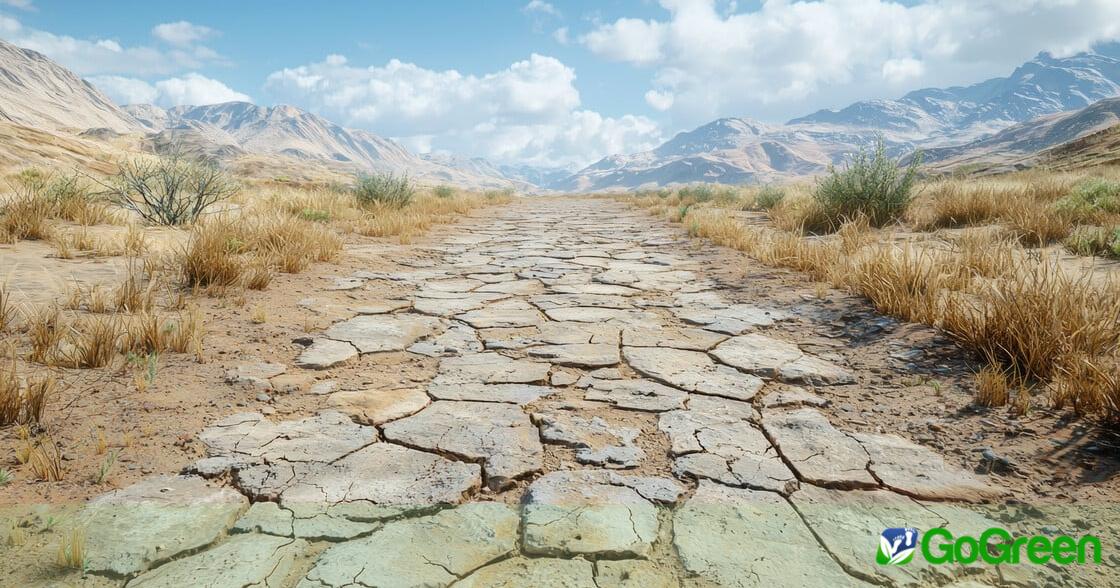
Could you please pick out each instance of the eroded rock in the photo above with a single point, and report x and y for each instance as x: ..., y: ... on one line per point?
x: 692, y: 371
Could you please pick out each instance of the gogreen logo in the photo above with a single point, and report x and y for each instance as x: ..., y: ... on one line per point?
x: 897, y: 546
x: 994, y: 546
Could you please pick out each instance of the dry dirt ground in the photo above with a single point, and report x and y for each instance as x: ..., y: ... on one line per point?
x: 560, y: 392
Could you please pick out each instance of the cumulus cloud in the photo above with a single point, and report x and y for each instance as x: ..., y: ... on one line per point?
x: 109, y: 57
x: 541, y: 7
x: 785, y: 57
x: 192, y: 88
x: 181, y: 33
x: 21, y: 4
x: 527, y: 112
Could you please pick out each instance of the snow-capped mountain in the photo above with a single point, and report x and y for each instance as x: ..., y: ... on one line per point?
x: 738, y: 150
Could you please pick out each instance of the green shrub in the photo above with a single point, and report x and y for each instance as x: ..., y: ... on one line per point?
x: 769, y: 197
x: 1096, y: 241
x: 871, y: 184
x: 1089, y: 197
x: 311, y: 214
x: 443, y: 191
x: 386, y: 189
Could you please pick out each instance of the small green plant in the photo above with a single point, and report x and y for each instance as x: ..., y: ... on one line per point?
x: 769, y: 197
x: 318, y: 216
x: 871, y: 184
x: 443, y: 191
x: 105, y: 468
x: 1094, y: 241
x: 1090, y: 197
x: 5, y: 476
x: 384, y: 189
x: 697, y: 193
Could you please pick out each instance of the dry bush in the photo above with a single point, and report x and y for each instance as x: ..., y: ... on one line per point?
x: 93, y: 342
x: 1038, y: 225
x: 258, y: 273
x: 169, y: 190
x: 11, y: 400
x: 45, y: 459
x: 210, y: 259
x: 293, y: 244
x: 957, y: 203
x: 26, y: 217
x: 45, y: 328
x: 72, y: 549
x: 7, y: 308
x: 992, y: 387
x: 148, y: 333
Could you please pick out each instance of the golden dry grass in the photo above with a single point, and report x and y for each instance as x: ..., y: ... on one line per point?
x: 1035, y: 323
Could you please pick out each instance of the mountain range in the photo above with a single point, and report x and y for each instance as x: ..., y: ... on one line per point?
x: 998, y: 124
x: 737, y: 150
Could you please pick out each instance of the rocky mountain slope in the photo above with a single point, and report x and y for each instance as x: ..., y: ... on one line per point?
x: 737, y: 150
x: 1025, y: 143
x: 37, y: 92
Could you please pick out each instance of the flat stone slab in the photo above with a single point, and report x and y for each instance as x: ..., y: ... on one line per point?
x: 383, y: 306
x: 243, y: 560
x: 375, y: 407
x: 492, y: 368
x: 633, y: 573
x: 251, y: 438
x: 584, y: 314
x: 445, y: 388
x: 772, y: 358
x: 594, y: 439
x: 739, y: 537
x: 453, y: 285
x: 819, y: 453
x: 133, y: 529
x: 431, y: 551
x: 582, y: 513
x: 450, y: 304
x: 594, y: 288
x: 499, y: 435
x: 374, y: 333
x: 692, y: 371
x: 917, y: 471
x: 736, y: 454
x: 838, y: 516
x: 792, y: 396
x: 505, y: 314
x: 578, y: 354
x: 733, y: 319
x: 514, y: 286
x: 458, y: 339
x: 326, y: 353
x: 642, y: 395
x: 549, y: 301
x: 379, y: 481
x: 520, y: 572
x: 682, y: 426
x: 690, y: 339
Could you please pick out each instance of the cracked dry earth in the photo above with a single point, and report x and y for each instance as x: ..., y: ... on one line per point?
x: 603, y: 413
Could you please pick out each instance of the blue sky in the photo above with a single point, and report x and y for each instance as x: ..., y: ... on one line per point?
x: 546, y: 82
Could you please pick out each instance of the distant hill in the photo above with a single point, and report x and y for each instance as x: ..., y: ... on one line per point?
x: 37, y: 92
x: 1046, y: 139
x: 738, y: 150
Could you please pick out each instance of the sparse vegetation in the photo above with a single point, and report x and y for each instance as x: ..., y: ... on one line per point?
x: 386, y: 189
x: 72, y: 549
x: 871, y: 184
x: 443, y: 191
x: 1040, y: 327
x: 170, y: 190
x: 769, y: 197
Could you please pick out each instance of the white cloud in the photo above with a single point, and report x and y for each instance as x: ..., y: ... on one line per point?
x: 628, y: 39
x: 527, y: 112
x: 540, y: 6
x: 561, y: 35
x: 21, y: 4
x: 107, y: 56
x: 181, y: 33
x: 659, y: 100
x: 192, y: 88
x: 787, y: 58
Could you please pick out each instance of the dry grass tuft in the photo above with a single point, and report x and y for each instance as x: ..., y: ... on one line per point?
x: 992, y: 387
x: 45, y: 459
x: 72, y: 549
x: 210, y: 260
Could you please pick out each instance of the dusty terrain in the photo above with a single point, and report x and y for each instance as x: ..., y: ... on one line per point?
x: 629, y: 406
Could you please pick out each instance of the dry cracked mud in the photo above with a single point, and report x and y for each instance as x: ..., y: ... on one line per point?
x: 607, y: 408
